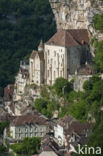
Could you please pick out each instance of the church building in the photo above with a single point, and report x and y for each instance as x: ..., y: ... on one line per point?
x: 65, y: 54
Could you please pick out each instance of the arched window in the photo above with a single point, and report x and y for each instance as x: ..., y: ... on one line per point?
x: 48, y: 73
x: 54, y: 75
x: 48, y: 52
x: 54, y: 53
x: 61, y: 73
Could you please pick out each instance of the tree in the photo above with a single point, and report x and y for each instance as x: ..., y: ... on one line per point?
x: 98, y: 22
x: 62, y: 86
x: 3, y: 125
x: 2, y: 149
x: 28, y: 146
x: 40, y: 104
x: 99, y: 56
x: 22, y: 25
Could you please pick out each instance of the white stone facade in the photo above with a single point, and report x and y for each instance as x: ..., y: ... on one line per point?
x: 59, y: 134
x: 36, y: 70
x: 55, y: 63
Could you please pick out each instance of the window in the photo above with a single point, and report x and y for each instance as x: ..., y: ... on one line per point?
x: 54, y: 53
x: 41, y: 129
x: 35, y: 129
x: 26, y: 129
x: 48, y: 73
x: 35, y: 134
x: 54, y: 75
x: 55, y: 63
x: 19, y: 130
x: 48, y: 61
x: 48, y: 52
x: 41, y: 134
x: 31, y: 135
x: 26, y: 135
x: 30, y: 128
x: 61, y: 73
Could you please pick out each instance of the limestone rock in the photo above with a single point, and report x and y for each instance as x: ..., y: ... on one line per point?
x: 77, y: 14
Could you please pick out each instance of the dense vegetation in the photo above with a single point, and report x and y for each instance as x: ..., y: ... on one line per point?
x: 28, y: 147
x: 98, y: 22
x: 22, y: 24
x: 3, y: 125
x: 52, y: 97
x: 2, y: 149
x: 99, y: 56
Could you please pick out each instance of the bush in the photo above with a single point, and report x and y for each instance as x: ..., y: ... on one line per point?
x: 98, y: 22
x: 3, y: 125
x: 28, y: 146
x: 62, y: 86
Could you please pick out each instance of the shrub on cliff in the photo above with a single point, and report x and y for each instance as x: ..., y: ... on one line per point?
x: 98, y: 22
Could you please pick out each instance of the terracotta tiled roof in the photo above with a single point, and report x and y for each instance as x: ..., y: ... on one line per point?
x: 67, y: 38
x: 3, y: 115
x: 29, y: 119
x: 8, y: 91
x: 41, y: 54
x: 66, y: 121
x: 33, y: 54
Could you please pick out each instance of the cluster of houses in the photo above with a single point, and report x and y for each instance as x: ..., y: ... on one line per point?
x: 57, y: 135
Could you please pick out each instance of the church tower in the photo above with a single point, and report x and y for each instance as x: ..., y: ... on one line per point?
x: 36, y: 61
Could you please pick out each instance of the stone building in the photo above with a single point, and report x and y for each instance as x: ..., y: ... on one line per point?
x: 8, y: 92
x: 65, y: 53
x: 21, y: 80
x: 29, y: 125
x: 70, y: 131
x: 36, y: 66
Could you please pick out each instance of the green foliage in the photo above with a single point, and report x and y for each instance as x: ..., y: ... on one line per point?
x: 41, y: 105
x: 22, y: 25
x: 98, y: 22
x: 62, y: 86
x: 91, y: 100
x: 3, y: 125
x: 99, y: 56
x: 2, y: 148
x: 46, y: 106
x: 28, y: 146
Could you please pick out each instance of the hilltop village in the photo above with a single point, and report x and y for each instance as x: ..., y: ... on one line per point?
x: 68, y: 55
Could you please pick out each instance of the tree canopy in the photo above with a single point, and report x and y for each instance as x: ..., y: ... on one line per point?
x: 28, y: 146
x: 23, y: 23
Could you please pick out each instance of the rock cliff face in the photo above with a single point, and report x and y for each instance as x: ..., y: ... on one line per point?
x: 77, y: 14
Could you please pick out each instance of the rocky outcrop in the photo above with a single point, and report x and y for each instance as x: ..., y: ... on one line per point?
x: 77, y: 14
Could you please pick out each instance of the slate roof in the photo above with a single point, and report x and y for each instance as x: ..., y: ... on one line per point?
x: 68, y: 38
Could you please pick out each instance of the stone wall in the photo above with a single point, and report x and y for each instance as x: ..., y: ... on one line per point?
x: 77, y: 14
x: 79, y: 81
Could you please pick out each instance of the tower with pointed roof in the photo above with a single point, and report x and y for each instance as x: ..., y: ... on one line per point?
x: 36, y: 66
